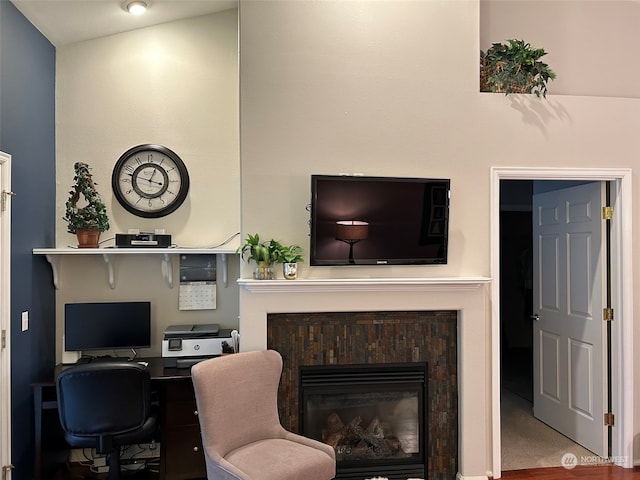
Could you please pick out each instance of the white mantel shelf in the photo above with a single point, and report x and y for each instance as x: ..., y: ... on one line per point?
x: 364, y: 284
x: 54, y: 255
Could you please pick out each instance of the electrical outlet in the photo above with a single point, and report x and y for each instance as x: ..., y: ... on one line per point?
x: 25, y: 321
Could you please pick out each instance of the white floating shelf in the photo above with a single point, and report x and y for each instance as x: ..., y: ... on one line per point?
x: 54, y: 256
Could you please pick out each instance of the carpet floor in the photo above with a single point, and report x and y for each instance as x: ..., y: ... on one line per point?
x: 529, y: 443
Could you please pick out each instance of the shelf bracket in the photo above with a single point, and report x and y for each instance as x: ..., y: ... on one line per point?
x: 167, y: 269
x: 108, y: 260
x: 223, y: 260
x: 54, y: 261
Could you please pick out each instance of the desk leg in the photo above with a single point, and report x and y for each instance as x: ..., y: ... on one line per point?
x: 37, y: 410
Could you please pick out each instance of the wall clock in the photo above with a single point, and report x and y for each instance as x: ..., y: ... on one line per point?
x: 150, y: 181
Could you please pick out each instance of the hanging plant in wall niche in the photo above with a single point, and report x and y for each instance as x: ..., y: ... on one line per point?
x: 514, y: 67
x: 90, y: 218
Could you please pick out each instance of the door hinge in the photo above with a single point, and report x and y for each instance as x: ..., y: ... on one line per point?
x: 5, y: 469
x: 607, y: 314
x: 3, y: 339
x: 3, y: 200
x: 609, y: 419
x: 607, y: 213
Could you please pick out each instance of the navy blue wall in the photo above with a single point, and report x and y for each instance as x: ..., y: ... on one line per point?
x: 27, y: 132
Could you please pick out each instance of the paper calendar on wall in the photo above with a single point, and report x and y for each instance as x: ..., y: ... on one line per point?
x: 197, y: 282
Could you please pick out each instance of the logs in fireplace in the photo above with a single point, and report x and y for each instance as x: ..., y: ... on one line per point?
x: 372, y: 415
x: 353, y: 441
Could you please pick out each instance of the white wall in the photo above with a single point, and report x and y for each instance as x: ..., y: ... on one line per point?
x: 391, y: 88
x: 176, y: 85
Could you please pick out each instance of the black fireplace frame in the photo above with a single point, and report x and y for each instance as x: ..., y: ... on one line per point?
x: 325, y: 378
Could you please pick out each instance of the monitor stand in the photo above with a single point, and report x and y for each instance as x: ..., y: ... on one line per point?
x: 90, y: 359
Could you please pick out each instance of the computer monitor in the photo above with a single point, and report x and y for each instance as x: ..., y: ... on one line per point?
x: 107, y: 326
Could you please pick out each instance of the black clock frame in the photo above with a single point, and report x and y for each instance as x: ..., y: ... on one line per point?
x: 162, y: 150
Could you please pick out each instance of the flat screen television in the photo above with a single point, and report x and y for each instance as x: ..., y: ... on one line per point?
x: 359, y: 220
x: 107, y: 326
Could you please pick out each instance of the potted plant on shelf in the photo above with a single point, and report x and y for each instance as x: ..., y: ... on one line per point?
x: 264, y: 253
x: 514, y: 67
x: 89, y: 220
x: 290, y: 256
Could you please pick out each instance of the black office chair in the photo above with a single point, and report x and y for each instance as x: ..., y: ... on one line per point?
x: 104, y: 405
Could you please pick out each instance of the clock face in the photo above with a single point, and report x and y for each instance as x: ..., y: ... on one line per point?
x: 150, y: 181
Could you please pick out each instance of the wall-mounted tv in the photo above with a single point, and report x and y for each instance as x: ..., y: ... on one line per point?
x: 360, y: 220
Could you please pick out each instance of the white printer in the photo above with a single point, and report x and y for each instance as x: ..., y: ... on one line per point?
x: 186, y: 345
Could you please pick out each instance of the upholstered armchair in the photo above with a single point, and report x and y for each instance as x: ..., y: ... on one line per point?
x: 241, y: 432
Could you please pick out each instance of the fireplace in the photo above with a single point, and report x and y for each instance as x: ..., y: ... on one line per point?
x: 372, y: 415
x: 382, y: 339
x: 456, y: 351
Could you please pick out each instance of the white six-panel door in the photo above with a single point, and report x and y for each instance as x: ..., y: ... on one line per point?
x: 569, y: 342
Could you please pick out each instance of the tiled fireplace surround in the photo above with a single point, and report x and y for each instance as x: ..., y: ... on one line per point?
x: 263, y: 300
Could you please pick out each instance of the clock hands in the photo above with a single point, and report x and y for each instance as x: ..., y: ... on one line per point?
x: 152, y: 181
x: 146, y: 179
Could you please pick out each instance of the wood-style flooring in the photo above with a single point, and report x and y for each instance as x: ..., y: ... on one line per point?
x: 607, y: 472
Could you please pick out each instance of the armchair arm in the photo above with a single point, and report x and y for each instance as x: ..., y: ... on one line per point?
x: 220, y: 469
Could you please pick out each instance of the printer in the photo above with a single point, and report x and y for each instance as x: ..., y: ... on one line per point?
x: 186, y: 345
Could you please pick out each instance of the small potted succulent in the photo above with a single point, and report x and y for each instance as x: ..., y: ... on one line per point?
x: 264, y: 252
x: 514, y: 67
x: 90, y: 219
x: 290, y: 256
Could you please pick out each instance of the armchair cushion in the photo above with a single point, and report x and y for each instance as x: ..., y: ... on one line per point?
x: 280, y: 459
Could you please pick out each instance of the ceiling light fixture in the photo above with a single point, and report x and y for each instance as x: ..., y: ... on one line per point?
x: 136, y: 7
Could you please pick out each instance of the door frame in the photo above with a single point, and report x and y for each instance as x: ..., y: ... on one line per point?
x: 5, y: 315
x: 622, y: 296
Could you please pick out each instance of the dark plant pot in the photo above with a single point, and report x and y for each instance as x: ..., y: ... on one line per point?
x: 88, y: 238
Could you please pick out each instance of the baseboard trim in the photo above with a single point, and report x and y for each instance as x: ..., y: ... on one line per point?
x: 459, y: 476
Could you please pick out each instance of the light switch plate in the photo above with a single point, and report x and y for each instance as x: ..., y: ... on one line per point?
x: 25, y: 321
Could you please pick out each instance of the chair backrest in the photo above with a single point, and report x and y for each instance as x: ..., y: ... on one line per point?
x: 103, y: 398
x: 237, y: 401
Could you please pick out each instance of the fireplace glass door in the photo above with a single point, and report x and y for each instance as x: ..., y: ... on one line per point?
x: 372, y: 415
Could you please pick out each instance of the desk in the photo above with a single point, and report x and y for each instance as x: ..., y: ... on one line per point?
x: 181, y: 455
